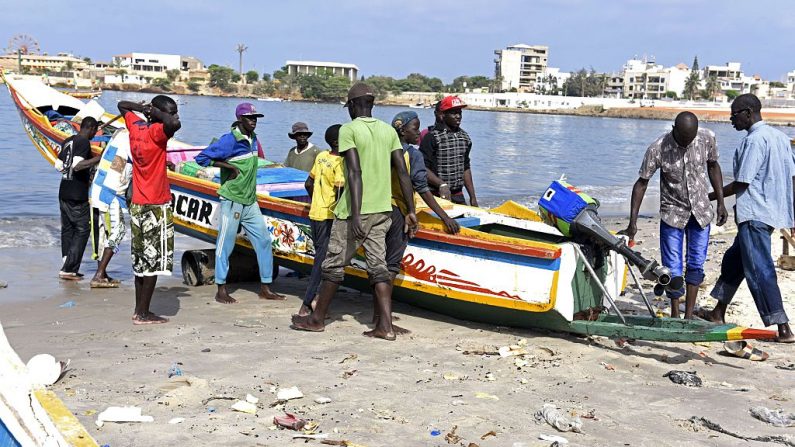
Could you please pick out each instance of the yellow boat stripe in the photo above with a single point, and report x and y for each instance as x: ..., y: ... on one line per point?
x: 735, y: 333
x: 67, y: 424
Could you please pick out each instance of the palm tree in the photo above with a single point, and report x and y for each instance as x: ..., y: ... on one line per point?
x: 711, y: 88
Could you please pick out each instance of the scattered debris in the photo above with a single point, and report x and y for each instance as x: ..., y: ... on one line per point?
x: 44, y: 370
x: 68, y: 305
x: 348, y: 374
x: 716, y: 427
x: 250, y: 323
x: 451, y: 376
x: 482, y: 395
x: 290, y: 421
x: 608, y: 366
x: 342, y: 443
x: 289, y: 393
x: 779, y: 417
x: 3, y: 284
x: 553, y: 438
x: 322, y: 400
x: 490, y: 377
x: 311, y: 436
x: 790, y: 367
x: 251, y: 399
x: 175, y: 370
x: 558, y: 419
x: 122, y: 414
x: 206, y: 401
x: 206, y: 350
x: 507, y: 351
x: 687, y: 378
x: 244, y: 407
x: 436, y: 432
x: 176, y: 420
x: 349, y: 357
x: 451, y: 437
x: 486, y: 435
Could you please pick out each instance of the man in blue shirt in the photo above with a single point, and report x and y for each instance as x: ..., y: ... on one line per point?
x: 764, y: 167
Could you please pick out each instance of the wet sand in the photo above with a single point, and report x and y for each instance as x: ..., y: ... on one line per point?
x: 382, y: 393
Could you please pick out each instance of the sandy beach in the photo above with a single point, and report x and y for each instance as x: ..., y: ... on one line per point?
x: 422, y: 390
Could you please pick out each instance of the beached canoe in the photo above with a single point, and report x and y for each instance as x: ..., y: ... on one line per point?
x: 506, y: 267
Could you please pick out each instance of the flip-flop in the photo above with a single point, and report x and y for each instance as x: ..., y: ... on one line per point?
x: 103, y: 284
x: 744, y: 350
x: 69, y: 276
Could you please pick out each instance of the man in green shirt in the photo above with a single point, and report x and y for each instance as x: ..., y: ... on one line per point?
x: 236, y: 154
x: 302, y: 155
x: 362, y: 216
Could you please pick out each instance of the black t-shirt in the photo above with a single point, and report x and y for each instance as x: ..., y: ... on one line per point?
x: 74, y: 185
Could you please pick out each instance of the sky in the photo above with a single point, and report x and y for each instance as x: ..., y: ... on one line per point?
x: 443, y: 38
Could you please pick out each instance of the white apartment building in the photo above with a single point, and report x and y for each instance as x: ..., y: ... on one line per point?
x: 551, y: 80
x: 349, y: 71
x: 644, y: 79
x: 731, y: 77
x: 520, y: 66
x: 155, y: 65
x: 677, y: 78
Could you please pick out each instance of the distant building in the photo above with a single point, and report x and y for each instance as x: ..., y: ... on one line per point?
x: 295, y: 68
x: 520, y: 66
x: 551, y: 80
x: 644, y: 79
x: 154, y: 65
x: 42, y: 63
x: 730, y: 77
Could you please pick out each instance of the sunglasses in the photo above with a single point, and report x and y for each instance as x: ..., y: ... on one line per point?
x: 734, y: 114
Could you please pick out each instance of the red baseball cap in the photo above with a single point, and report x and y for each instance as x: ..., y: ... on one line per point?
x: 451, y: 102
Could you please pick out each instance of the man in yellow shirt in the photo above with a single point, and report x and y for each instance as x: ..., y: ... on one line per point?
x: 324, y: 184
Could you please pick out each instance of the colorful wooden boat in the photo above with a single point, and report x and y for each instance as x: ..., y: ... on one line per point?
x: 505, y: 267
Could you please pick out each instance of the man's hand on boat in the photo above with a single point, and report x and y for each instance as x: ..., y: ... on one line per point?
x: 630, y: 231
x: 170, y: 165
x: 450, y: 225
x: 411, y: 226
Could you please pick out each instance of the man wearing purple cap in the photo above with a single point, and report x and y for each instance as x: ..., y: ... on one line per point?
x: 236, y: 154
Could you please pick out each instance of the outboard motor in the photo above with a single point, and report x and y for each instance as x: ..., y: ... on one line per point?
x: 573, y: 212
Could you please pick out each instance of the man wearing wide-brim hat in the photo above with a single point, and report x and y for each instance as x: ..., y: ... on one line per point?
x: 302, y: 155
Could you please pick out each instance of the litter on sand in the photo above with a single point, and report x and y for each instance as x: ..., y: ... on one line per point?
x: 784, y: 440
x: 687, y: 378
x: 176, y: 420
x: 553, y: 438
x: 558, y: 419
x: 306, y: 436
x: 289, y: 421
x: 451, y: 437
x: 44, y: 370
x: 322, y: 400
x: 244, y: 407
x: 122, y: 414
x: 482, y: 395
x: 68, y: 305
x: 289, y: 393
x: 779, y: 417
x: 251, y: 399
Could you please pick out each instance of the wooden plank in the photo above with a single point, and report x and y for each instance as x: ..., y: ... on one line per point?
x: 788, y: 237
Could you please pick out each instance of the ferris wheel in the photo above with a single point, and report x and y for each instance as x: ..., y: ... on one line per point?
x: 23, y: 44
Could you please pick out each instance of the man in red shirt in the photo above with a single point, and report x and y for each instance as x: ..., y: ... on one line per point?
x: 150, y: 211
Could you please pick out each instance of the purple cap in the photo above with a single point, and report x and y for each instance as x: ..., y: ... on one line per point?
x: 247, y: 109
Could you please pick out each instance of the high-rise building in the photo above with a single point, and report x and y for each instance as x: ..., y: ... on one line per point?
x: 520, y: 66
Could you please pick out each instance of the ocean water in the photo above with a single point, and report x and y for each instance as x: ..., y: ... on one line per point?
x: 514, y: 156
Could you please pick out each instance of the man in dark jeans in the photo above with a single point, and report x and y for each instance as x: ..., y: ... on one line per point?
x: 75, y: 162
x: 764, y: 169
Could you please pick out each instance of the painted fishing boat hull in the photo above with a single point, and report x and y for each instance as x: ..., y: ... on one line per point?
x: 505, y: 267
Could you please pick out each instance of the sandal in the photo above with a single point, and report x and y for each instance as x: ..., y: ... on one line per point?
x: 103, y: 284
x: 744, y: 350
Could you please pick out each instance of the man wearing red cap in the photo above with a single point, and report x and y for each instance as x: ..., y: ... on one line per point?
x: 446, y: 150
x: 236, y: 154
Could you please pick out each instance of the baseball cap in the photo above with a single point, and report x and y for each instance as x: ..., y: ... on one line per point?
x: 403, y: 118
x: 358, y: 90
x: 299, y: 127
x: 247, y: 109
x: 451, y: 102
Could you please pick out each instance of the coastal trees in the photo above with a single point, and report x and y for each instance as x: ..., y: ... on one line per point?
x: 585, y: 83
x: 223, y: 77
x: 692, y: 82
x: 252, y: 77
x: 323, y: 87
x: 172, y: 75
x: 711, y: 88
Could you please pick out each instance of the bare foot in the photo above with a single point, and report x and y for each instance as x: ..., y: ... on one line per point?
x: 265, y: 293
x: 148, y: 318
x: 305, y: 323
x: 709, y: 315
x: 304, y: 311
x: 377, y: 333
x: 224, y: 298
x: 375, y: 318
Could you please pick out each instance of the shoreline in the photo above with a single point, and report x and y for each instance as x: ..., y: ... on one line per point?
x: 396, y: 394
